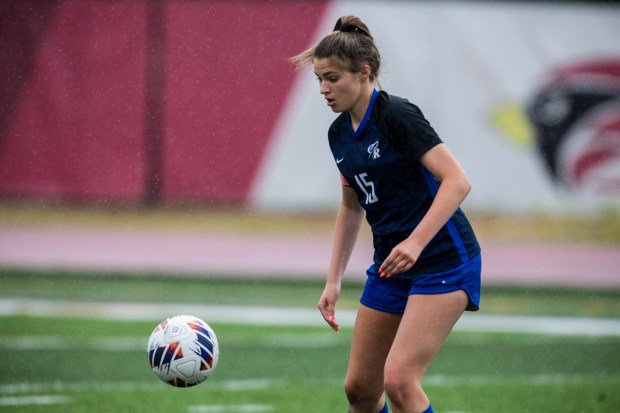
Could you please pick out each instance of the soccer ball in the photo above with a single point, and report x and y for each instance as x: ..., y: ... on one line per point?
x: 183, y: 351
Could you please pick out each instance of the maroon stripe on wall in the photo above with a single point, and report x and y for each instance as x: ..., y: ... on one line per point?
x: 77, y: 131
x: 85, y: 83
x: 23, y: 26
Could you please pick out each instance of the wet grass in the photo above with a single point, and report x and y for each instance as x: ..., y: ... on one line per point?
x: 219, y: 290
x: 292, y: 370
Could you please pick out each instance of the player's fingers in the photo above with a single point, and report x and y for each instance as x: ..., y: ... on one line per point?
x: 394, y: 267
x: 390, y: 264
x: 386, y: 266
x: 398, y: 268
x: 333, y: 324
x: 327, y: 312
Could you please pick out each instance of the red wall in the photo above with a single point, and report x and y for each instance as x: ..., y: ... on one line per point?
x: 92, y: 85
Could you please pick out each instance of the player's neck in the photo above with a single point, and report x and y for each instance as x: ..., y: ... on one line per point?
x: 357, y: 112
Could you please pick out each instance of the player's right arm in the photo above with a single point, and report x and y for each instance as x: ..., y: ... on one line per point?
x: 348, y: 222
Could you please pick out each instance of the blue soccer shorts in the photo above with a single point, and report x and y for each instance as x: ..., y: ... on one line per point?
x: 390, y: 294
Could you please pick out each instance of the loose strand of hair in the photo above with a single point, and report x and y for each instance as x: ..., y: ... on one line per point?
x: 303, y: 59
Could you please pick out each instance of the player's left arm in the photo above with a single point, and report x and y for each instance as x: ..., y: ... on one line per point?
x: 453, y: 188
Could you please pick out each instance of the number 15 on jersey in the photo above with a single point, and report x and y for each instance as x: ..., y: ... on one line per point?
x: 367, y: 187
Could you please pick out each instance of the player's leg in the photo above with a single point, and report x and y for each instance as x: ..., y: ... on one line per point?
x: 372, y: 338
x: 427, y: 321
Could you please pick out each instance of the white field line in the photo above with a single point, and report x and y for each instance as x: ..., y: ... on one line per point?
x: 139, y: 343
x: 14, y: 390
x: 538, y: 379
x: 247, y: 315
x: 46, y: 342
x: 237, y: 408
x: 34, y: 399
x: 154, y: 385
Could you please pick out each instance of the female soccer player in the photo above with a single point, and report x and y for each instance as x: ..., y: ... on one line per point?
x: 397, y: 173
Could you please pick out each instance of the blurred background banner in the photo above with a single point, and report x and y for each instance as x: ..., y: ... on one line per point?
x: 164, y: 102
x: 143, y: 101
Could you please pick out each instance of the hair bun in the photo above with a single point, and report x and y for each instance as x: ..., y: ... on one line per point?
x: 350, y: 24
x: 348, y: 28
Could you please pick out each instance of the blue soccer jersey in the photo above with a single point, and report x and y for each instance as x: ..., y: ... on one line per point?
x: 380, y: 161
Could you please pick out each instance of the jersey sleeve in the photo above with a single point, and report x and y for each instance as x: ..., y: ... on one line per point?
x: 409, y: 130
x: 343, y: 181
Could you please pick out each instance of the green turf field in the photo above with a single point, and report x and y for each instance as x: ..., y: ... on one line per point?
x: 76, y: 364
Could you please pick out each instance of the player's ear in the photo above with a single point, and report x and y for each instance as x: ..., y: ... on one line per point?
x: 365, y: 72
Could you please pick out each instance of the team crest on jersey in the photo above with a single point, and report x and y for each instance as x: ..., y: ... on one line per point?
x: 373, y: 150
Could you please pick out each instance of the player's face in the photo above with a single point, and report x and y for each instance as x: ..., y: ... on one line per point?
x: 341, y: 88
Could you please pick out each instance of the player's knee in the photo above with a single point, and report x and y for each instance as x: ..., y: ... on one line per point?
x: 359, y: 391
x: 400, y: 387
x: 395, y: 388
x: 397, y: 392
x: 353, y: 388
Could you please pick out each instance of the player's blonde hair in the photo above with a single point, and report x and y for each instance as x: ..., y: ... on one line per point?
x: 350, y: 44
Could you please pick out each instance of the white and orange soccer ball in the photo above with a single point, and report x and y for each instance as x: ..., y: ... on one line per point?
x: 183, y: 351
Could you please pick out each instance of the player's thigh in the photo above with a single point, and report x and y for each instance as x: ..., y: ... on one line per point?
x: 426, y: 323
x: 372, y: 338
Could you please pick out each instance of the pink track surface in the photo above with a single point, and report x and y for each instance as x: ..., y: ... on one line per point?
x: 193, y: 253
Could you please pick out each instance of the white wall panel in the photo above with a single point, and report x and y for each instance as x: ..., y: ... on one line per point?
x: 460, y: 62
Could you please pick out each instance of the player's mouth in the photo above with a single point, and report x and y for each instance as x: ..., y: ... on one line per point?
x: 330, y: 102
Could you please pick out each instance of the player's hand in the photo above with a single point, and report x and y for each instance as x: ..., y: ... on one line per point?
x: 327, y: 305
x: 402, y: 257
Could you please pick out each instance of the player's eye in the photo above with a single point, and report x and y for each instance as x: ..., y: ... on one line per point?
x: 330, y: 79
